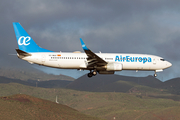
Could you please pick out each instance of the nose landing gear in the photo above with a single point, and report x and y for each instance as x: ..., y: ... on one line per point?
x: 155, y: 75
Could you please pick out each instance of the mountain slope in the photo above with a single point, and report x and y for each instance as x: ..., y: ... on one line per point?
x: 30, y: 73
x: 125, y: 106
x: 109, y: 83
x: 173, y: 85
x: 35, y: 83
x: 27, y: 107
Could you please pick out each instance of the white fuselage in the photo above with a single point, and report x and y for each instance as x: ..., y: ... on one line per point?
x: 79, y: 60
x: 102, y: 63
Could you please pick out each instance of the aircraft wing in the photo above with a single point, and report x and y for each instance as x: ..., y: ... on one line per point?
x: 93, y: 59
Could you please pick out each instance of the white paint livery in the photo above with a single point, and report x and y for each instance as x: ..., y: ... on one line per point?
x: 102, y: 63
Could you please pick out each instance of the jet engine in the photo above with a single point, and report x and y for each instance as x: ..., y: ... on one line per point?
x: 114, y: 66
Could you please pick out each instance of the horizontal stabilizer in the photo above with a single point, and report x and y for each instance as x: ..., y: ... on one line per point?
x: 22, y: 53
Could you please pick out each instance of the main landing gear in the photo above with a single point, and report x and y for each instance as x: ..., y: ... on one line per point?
x: 92, y: 73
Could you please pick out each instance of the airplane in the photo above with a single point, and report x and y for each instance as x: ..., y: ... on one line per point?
x: 102, y: 63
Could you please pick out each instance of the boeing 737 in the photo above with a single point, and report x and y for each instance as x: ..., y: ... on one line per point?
x: 102, y: 63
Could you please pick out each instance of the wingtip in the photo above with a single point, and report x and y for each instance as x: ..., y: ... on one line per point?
x: 15, y: 23
x: 83, y: 45
x: 81, y: 41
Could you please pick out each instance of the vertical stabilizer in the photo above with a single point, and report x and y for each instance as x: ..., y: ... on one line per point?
x: 25, y: 42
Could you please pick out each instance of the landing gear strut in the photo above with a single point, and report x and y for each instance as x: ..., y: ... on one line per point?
x: 155, y: 75
x: 92, y: 73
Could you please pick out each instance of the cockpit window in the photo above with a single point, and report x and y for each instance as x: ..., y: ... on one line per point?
x: 162, y: 59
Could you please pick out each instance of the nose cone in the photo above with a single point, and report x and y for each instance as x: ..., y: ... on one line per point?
x: 168, y: 64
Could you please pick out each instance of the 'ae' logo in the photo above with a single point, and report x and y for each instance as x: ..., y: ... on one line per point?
x: 24, y: 40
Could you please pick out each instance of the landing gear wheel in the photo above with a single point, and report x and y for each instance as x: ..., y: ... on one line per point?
x: 94, y: 73
x: 90, y: 75
x: 155, y: 75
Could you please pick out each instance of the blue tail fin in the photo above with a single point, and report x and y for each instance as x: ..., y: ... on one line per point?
x: 25, y: 42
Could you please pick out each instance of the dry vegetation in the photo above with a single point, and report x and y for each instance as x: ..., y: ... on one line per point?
x: 106, y: 105
x: 30, y: 108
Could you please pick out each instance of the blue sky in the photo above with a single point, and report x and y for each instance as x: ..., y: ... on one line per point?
x: 118, y: 26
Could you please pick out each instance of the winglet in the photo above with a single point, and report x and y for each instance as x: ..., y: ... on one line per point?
x: 93, y: 59
x: 83, y: 45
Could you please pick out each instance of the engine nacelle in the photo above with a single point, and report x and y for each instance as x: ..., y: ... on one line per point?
x: 114, y: 66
